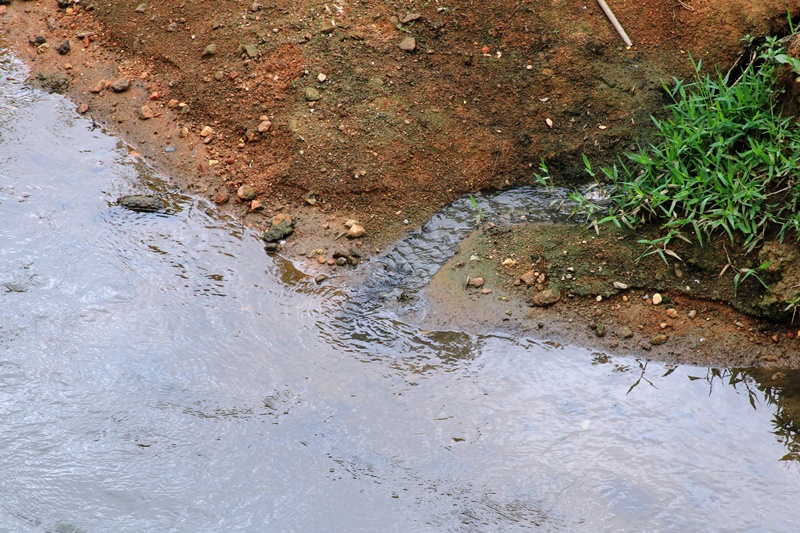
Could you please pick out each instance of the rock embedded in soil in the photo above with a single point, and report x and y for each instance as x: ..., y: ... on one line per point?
x: 658, y: 339
x: 221, y: 198
x: 625, y: 332
x: 141, y: 202
x: 311, y: 94
x: 251, y: 50
x: 121, y: 85
x: 209, y: 50
x: 657, y: 299
x: 356, y: 231
x: 64, y: 48
x: 282, y: 226
x: 546, y: 298
x: 672, y: 313
x: 475, y: 282
x: 408, y: 44
x: 97, y: 87
x: 146, y: 112
x: 528, y: 278
x: 600, y: 330
x: 246, y: 193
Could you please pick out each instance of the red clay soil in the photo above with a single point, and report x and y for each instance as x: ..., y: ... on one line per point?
x: 395, y: 134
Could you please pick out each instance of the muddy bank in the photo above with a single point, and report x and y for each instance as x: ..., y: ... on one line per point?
x: 302, y: 101
x: 567, y: 284
x: 316, y: 112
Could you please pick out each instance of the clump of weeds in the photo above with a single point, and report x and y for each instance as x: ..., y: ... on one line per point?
x: 725, y: 162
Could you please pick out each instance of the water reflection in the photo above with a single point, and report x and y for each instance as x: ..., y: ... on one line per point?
x: 161, y: 373
x: 773, y: 390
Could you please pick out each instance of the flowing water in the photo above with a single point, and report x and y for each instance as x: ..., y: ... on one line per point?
x: 159, y: 372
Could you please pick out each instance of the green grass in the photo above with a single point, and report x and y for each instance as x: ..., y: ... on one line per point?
x: 725, y: 162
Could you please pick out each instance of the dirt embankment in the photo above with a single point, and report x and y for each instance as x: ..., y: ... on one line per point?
x: 567, y: 284
x: 372, y: 111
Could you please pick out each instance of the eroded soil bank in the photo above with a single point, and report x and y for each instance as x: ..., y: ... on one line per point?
x: 382, y: 113
x: 567, y: 284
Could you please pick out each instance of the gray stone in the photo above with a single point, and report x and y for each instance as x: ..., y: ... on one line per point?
x: 209, y: 50
x: 121, y: 85
x: 64, y: 48
x: 279, y: 231
x: 251, y: 50
x: 141, y: 202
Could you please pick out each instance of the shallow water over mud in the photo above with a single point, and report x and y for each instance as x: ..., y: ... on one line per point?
x: 158, y: 372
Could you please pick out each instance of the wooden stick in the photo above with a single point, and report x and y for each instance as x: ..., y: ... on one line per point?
x: 614, y: 22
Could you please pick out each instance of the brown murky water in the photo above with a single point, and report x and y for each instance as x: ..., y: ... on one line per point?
x: 161, y: 373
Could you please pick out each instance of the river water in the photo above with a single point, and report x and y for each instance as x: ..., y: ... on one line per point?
x: 162, y: 373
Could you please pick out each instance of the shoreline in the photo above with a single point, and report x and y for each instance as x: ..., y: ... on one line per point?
x: 134, y: 97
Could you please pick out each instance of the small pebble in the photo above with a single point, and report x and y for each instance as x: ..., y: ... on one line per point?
x: 657, y: 299
x: 672, y: 313
x: 146, y: 112
x: 658, y: 339
x: 475, y: 282
x: 356, y: 231
x: 408, y: 44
